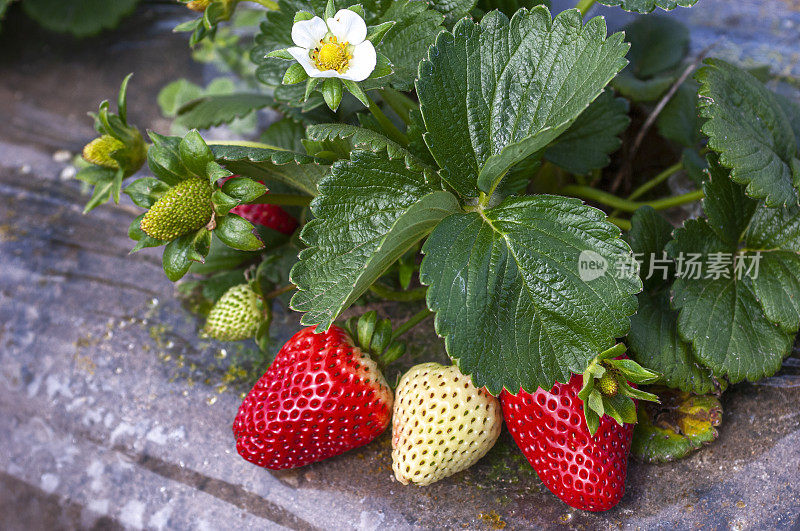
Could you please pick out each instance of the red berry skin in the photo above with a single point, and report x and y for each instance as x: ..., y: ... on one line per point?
x: 270, y: 216
x: 585, y: 472
x: 321, y: 397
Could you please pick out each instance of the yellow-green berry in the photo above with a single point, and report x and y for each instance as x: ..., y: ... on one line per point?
x: 99, y: 150
x: 608, y: 384
x: 182, y: 209
x: 236, y: 315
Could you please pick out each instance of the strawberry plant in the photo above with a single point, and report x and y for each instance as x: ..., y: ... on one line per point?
x: 488, y: 158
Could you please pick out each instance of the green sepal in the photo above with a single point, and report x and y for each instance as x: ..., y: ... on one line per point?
x: 358, y: 9
x: 244, y: 189
x: 223, y: 203
x: 235, y: 231
x: 311, y: 84
x: 330, y: 9
x: 629, y: 391
x: 382, y: 336
x: 300, y: 16
x: 365, y: 328
x: 294, y: 74
x: 141, y: 238
x: 634, y: 372
x: 122, y: 99
x: 383, y: 68
x: 195, y: 153
x: 375, y: 34
x: 215, y: 172
x: 332, y: 92
x: 356, y: 90
x: 182, y: 251
x: 281, y: 54
x: 262, y: 337
x: 146, y: 191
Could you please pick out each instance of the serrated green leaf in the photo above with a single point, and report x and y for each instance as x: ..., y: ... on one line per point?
x: 369, y: 212
x: 646, y: 6
x: 176, y: 94
x: 792, y: 111
x: 585, y: 146
x: 146, y: 191
x: 81, y: 18
x: 415, y: 28
x: 164, y: 159
x: 678, y: 120
x: 213, y: 110
x: 235, y: 231
x: 360, y: 139
x: 285, y: 134
x: 508, y: 294
x: 301, y: 172
x: 748, y: 128
x: 658, y: 44
x: 740, y: 326
x: 453, y: 10
x: 636, y: 89
x: 509, y: 7
x: 493, y: 93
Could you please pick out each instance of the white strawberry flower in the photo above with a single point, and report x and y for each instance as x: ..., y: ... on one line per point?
x: 336, y: 48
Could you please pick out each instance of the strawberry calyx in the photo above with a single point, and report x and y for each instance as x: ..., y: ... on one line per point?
x: 375, y: 336
x: 607, y: 388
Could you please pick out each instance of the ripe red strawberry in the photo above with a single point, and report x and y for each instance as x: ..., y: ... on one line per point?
x: 580, y: 451
x: 586, y: 472
x: 271, y: 216
x: 321, y: 397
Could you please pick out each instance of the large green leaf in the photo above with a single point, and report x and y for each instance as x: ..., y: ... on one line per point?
x: 493, y: 93
x: 654, y: 340
x: 749, y: 129
x: 646, y: 6
x: 81, y: 18
x: 585, y: 146
x: 360, y: 139
x: 509, y: 292
x: 299, y: 171
x: 216, y: 109
x: 416, y: 26
x: 370, y: 211
x: 742, y: 323
x: 658, y: 44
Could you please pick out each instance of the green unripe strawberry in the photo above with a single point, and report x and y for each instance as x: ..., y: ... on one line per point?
x: 608, y: 384
x: 182, y: 209
x: 99, y: 150
x: 236, y: 315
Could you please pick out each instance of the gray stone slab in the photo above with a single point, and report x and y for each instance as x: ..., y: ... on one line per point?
x: 113, y: 413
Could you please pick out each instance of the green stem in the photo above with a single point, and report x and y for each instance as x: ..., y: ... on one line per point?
x: 279, y: 291
x: 383, y: 292
x: 399, y: 102
x: 244, y: 143
x: 584, y: 6
x: 652, y: 183
x: 389, y: 128
x: 624, y: 224
x: 269, y: 4
x: 283, y: 199
x: 411, y: 323
x: 626, y: 205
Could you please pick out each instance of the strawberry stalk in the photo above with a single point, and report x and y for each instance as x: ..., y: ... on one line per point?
x: 606, y: 390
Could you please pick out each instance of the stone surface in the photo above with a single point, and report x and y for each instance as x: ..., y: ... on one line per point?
x: 113, y: 413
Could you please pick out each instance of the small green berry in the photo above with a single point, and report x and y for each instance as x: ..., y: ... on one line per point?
x: 608, y: 384
x: 236, y: 315
x: 182, y: 209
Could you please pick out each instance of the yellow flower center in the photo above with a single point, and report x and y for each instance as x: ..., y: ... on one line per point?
x: 332, y: 55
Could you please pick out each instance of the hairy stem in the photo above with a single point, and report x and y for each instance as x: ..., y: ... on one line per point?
x: 584, y: 6
x: 382, y: 291
x: 652, y: 183
x: 623, y: 224
x: 399, y: 102
x: 269, y: 4
x: 416, y: 319
x: 279, y: 291
x: 389, y: 128
x: 283, y: 199
x: 626, y: 205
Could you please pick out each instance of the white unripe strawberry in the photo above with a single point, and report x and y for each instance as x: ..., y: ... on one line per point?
x: 442, y: 424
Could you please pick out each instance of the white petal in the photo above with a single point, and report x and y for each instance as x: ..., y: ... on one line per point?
x: 308, y: 33
x: 301, y: 55
x: 348, y: 26
x: 363, y: 62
